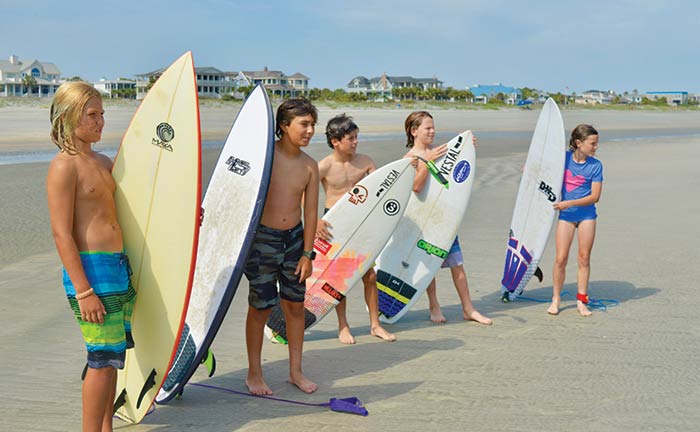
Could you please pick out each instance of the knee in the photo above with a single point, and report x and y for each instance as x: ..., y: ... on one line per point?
x: 370, y: 278
x: 293, y: 309
x: 584, y: 260
x: 561, y: 260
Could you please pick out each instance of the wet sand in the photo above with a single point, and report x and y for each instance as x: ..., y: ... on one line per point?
x: 633, y: 367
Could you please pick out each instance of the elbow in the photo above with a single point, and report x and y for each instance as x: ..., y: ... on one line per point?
x: 60, y: 237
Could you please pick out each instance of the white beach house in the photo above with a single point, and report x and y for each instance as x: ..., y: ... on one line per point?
x: 34, y: 78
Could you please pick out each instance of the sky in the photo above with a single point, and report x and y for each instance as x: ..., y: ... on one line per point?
x: 566, y: 46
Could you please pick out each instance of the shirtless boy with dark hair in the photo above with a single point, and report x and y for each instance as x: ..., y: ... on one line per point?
x: 339, y: 172
x: 282, y: 249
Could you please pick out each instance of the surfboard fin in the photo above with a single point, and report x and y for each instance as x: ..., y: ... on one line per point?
x: 539, y: 275
x: 147, y: 385
x: 209, y: 361
x: 82, y: 376
x: 505, y: 298
x: 120, y: 401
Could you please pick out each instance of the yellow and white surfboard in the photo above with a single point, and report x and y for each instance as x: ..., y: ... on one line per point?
x: 158, y: 176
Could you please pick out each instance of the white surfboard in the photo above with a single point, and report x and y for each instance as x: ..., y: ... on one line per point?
x: 427, y: 229
x: 232, y: 208
x: 362, y: 221
x: 533, y: 216
x: 158, y: 196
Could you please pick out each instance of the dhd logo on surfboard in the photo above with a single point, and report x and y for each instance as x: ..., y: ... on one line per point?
x: 547, y: 190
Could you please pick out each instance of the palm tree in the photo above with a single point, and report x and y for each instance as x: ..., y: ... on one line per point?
x: 29, y: 82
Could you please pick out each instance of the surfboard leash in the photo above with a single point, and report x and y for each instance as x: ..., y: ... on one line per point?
x: 597, y: 304
x: 351, y: 405
x: 434, y: 171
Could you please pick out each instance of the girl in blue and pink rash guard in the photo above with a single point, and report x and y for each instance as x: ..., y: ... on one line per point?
x: 583, y: 183
x: 578, y: 181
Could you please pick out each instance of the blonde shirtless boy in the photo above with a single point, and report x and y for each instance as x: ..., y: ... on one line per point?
x: 80, y: 191
x: 282, y: 249
x: 340, y: 171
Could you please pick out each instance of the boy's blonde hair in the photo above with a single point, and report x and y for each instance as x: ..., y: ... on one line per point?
x: 66, y: 111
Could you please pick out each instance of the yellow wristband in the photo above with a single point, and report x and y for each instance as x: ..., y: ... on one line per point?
x: 85, y: 294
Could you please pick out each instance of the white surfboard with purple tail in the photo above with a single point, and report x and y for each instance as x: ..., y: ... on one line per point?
x: 533, y: 216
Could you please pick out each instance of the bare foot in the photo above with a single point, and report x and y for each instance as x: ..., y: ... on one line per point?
x: 303, y: 383
x: 345, y: 336
x: 257, y: 386
x: 553, y: 309
x: 475, y: 315
x: 436, y: 316
x: 382, y: 334
x: 583, y: 309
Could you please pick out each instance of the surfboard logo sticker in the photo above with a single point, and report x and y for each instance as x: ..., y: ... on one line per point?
x: 462, y: 171
x: 518, y: 258
x: 547, y: 190
x: 392, y: 207
x: 358, y: 194
x: 449, y: 162
x: 431, y: 249
x: 165, y: 134
x: 238, y: 166
x: 388, y: 181
x: 332, y: 292
x: 322, y: 245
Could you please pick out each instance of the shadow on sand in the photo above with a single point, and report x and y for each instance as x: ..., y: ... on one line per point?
x: 212, y: 410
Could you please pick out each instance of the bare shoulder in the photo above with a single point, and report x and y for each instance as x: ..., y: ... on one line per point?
x: 308, y: 160
x: 62, y: 169
x: 104, y: 160
x: 364, y: 160
x: 365, y: 163
x: 325, y: 164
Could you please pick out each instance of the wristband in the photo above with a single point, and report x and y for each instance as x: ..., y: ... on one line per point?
x: 85, y: 294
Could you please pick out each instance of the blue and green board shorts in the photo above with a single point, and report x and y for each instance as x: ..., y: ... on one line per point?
x: 109, y: 274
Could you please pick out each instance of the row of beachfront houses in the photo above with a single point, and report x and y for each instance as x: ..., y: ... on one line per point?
x: 215, y: 83
x: 211, y: 82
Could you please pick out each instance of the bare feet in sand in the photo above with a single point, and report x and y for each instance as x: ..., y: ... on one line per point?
x: 553, y: 309
x: 436, y: 316
x: 303, y: 383
x: 257, y: 386
x: 382, y: 334
x: 475, y: 315
x: 583, y: 309
x: 345, y: 336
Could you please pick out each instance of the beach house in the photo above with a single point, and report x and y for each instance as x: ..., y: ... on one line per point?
x: 278, y: 83
x: 121, y: 88
x: 594, y: 97
x: 383, y: 87
x: 35, y: 78
x: 672, y: 97
x: 211, y: 82
x: 485, y: 92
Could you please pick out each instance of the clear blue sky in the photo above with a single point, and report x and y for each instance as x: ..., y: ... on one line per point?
x: 552, y: 45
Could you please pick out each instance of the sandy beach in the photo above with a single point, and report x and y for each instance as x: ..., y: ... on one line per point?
x: 632, y: 368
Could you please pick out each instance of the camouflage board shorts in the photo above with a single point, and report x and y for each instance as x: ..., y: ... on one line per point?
x: 273, y: 259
